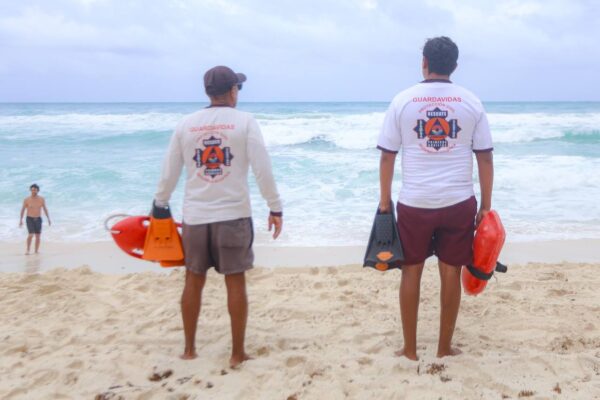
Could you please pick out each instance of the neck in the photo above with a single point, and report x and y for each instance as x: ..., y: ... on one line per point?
x: 433, y: 75
x: 221, y: 104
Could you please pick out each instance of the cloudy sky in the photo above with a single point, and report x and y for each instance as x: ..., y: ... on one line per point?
x: 312, y: 50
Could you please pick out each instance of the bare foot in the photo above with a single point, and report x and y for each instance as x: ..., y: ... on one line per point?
x: 28, y: 253
x: 410, y: 356
x: 236, y: 360
x: 449, y: 353
x: 188, y: 354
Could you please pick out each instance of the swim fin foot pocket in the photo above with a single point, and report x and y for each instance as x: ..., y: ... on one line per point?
x: 384, y: 250
x: 163, y: 242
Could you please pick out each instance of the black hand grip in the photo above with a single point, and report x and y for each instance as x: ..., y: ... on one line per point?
x: 501, y: 267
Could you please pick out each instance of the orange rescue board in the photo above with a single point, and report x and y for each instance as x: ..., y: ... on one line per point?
x: 131, y: 235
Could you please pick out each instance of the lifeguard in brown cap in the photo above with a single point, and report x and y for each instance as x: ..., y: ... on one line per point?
x: 217, y: 146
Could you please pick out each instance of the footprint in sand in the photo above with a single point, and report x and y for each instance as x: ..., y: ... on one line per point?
x: 263, y: 351
x: 43, y: 377
x: 143, y: 327
x: 359, y: 339
x: 506, y: 296
x: 365, y: 361
x: 60, y: 333
x: 558, y: 292
x: 71, y: 378
x: 282, y: 344
x: 295, y: 360
x: 77, y: 364
x: 374, y: 349
x: 49, y: 289
x: 18, y: 349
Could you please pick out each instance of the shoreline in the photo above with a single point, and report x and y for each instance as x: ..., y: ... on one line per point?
x: 106, y: 257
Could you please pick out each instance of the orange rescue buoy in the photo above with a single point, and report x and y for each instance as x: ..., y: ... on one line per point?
x: 130, y: 235
x: 488, y: 242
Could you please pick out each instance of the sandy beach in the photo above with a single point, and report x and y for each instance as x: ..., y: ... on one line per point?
x: 314, y: 333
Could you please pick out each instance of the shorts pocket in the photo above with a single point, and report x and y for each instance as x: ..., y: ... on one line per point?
x: 235, y: 233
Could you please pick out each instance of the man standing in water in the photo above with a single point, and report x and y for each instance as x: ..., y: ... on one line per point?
x: 34, y: 205
x: 437, y: 125
x: 216, y: 146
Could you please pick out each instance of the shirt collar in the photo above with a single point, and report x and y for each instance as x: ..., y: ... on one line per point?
x: 436, y: 80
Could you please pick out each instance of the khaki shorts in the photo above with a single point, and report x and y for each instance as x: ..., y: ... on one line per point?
x: 225, y: 245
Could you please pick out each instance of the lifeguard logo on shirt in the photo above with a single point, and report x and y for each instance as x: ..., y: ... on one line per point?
x: 437, y: 129
x: 213, y: 158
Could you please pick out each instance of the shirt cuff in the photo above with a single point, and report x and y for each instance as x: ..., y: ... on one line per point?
x: 159, y: 203
x: 483, y: 150
x: 387, y: 150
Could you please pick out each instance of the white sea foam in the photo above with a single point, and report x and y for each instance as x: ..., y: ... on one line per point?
x: 512, y: 128
x: 75, y: 125
x: 347, y: 131
x: 324, y: 162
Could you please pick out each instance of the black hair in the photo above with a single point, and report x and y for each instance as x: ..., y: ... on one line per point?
x: 34, y: 186
x: 441, y: 54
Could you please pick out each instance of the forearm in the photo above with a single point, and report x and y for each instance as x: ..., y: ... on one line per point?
x: 485, y: 165
x: 386, y: 175
x: 46, y: 212
x: 170, y: 173
x: 22, y: 213
x: 260, y: 162
x: 266, y: 183
x: 166, y: 186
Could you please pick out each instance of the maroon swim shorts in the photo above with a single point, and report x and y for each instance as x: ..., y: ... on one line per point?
x: 446, y: 232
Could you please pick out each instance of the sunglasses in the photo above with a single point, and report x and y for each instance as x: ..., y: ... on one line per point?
x: 239, y: 85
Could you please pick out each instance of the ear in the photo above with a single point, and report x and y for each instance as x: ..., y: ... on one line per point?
x: 425, y: 63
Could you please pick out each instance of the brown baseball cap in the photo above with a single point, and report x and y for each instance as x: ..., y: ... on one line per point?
x: 221, y: 79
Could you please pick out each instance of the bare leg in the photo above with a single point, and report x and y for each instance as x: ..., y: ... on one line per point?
x: 191, y: 299
x: 29, y: 237
x: 410, y: 291
x: 450, y: 303
x: 37, y: 242
x: 237, y: 304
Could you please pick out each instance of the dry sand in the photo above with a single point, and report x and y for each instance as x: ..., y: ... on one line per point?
x: 315, y: 333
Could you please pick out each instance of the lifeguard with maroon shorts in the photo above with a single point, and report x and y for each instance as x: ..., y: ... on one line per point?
x: 437, y: 126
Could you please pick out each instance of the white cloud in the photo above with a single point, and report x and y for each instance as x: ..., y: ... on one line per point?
x: 38, y: 28
x: 315, y: 49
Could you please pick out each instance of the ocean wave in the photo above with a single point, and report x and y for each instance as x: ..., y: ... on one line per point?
x: 346, y: 131
x: 81, y: 126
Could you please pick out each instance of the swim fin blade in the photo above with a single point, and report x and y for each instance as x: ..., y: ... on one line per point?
x: 384, y: 250
x: 163, y: 242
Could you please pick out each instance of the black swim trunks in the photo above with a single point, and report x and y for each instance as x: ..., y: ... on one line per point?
x: 34, y: 225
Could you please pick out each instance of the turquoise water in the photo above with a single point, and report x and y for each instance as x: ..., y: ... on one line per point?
x: 92, y: 160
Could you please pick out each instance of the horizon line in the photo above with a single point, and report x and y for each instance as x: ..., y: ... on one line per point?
x: 275, y: 101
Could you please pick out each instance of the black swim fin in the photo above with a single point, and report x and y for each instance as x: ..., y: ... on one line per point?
x: 384, y: 250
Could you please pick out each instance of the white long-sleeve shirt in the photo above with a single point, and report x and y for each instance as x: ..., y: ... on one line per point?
x: 217, y: 145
